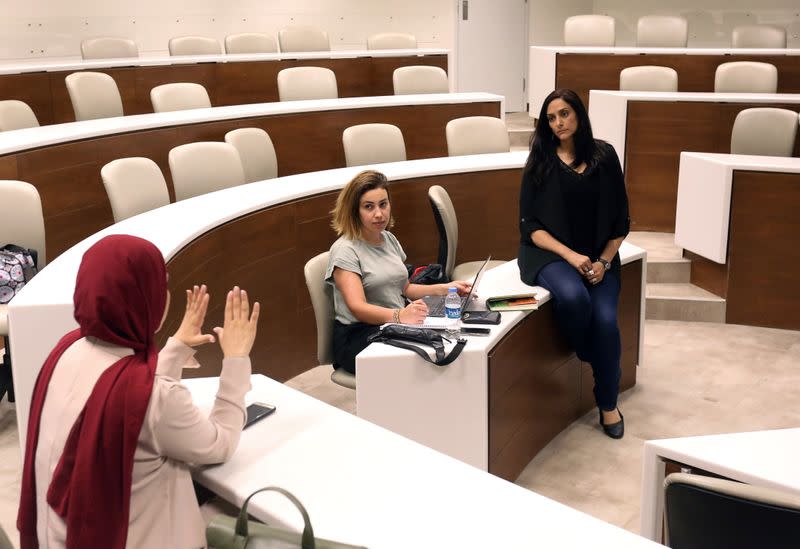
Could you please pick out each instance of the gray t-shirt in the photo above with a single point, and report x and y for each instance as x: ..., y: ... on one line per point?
x: 381, y: 268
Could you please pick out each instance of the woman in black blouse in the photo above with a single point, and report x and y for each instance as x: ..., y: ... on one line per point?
x: 573, y: 219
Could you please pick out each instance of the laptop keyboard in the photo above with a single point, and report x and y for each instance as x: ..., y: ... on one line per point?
x: 436, y: 305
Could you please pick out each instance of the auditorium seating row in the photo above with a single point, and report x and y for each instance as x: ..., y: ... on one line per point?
x: 96, y: 95
x: 730, y: 77
x: 290, y: 39
x: 662, y: 31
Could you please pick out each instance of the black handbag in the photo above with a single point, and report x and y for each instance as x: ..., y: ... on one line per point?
x: 398, y: 335
x: 239, y: 533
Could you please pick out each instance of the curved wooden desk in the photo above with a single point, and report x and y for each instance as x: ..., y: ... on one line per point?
x: 586, y: 68
x: 63, y: 161
x: 260, y: 235
x: 649, y: 130
x: 229, y: 79
x: 737, y: 221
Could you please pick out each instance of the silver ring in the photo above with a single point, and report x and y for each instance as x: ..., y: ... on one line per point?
x: 591, y: 272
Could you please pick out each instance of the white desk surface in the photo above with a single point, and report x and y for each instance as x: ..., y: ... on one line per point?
x: 542, y: 63
x: 705, y: 182
x: 365, y: 485
x: 42, y: 312
x: 74, y: 63
x: 29, y: 138
x: 447, y: 408
x: 762, y: 458
x: 608, y: 110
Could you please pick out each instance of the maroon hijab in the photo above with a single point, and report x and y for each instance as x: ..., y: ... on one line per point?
x: 120, y: 295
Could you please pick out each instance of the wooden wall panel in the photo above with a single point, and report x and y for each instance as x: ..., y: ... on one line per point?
x: 583, y: 72
x: 265, y: 251
x: 74, y: 199
x: 232, y: 83
x: 657, y: 132
x: 762, y: 251
x: 537, y: 386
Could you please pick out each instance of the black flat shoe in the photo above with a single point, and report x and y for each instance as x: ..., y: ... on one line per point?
x: 615, y: 430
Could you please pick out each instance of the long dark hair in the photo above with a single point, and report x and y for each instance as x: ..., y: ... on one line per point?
x: 542, y: 157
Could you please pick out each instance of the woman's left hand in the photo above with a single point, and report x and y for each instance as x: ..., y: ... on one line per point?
x: 598, y: 271
x: 462, y: 287
x: 190, y: 331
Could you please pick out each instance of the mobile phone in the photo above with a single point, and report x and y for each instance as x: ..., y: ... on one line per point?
x: 471, y: 330
x: 258, y: 411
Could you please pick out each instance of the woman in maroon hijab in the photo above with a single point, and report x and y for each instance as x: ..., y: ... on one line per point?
x: 111, y: 429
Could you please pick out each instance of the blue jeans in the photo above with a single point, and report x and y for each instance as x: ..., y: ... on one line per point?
x: 588, y: 315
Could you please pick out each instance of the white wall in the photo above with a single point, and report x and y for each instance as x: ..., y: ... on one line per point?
x: 55, y: 28
x: 546, y: 19
x: 710, y: 21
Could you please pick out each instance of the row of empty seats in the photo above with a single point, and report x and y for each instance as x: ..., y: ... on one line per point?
x: 136, y: 185
x: 731, y: 77
x: 662, y: 31
x: 290, y: 39
x: 96, y: 95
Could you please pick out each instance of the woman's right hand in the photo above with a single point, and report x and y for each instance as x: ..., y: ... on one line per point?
x: 414, y: 313
x: 581, y: 263
x: 238, y: 333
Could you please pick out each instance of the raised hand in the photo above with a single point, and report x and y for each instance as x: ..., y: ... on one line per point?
x: 238, y: 333
x: 190, y: 331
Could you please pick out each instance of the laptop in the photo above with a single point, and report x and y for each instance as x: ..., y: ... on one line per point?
x: 435, y: 303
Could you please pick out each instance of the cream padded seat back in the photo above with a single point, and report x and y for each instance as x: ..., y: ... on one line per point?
x: 16, y: 115
x: 194, y: 45
x: 134, y: 185
x: 108, y: 48
x: 250, y: 42
x: 662, y: 31
x: 373, y: 144
x: 589, y: 30
x: 648, y: 78
x: 204, y: 167
x: 22, y: 225
x: 420, y: 79
x: 392, y: 41
x: 447, y: 223
x: 93, y: 95
x: 476, y: 135
x: 746, y: 77
x: 321, y: 294
x: 256, y: 153
x: 764, y: 131
x: 178, y: 97
x: 303, y: 38
x: 758, y: 36
x: 299, y: 83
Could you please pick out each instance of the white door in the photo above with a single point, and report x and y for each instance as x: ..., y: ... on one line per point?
x: 491, y: 49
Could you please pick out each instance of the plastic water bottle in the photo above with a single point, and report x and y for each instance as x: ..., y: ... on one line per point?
x: 452, y: 311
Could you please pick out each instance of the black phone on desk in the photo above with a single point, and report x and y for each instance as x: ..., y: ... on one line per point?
x: 480, y: 317
x: 470, y: 330
x: 257, y: 411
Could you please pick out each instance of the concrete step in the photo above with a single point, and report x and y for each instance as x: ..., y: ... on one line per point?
x: 520, y: 138
x: 676, y: 271
x: 669, y: 301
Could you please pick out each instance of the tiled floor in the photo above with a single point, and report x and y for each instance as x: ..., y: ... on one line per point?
x: 697, y: 378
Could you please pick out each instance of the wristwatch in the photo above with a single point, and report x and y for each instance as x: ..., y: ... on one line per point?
x: 606, y: 265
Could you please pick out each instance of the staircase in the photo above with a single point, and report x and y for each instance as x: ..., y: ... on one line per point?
x: 669, y: 293
x: 520, y: 130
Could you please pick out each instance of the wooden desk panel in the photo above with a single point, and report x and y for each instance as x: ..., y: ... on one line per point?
x: 537, y: 386
x: 657, y: 132
x: 265, y: 251
x: 758, y: 279
x: 230, y: 83
x: 583, y: 72
x: 75, y: 204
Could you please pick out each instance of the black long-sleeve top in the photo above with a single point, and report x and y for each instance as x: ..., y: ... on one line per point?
x: 582, y: 211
